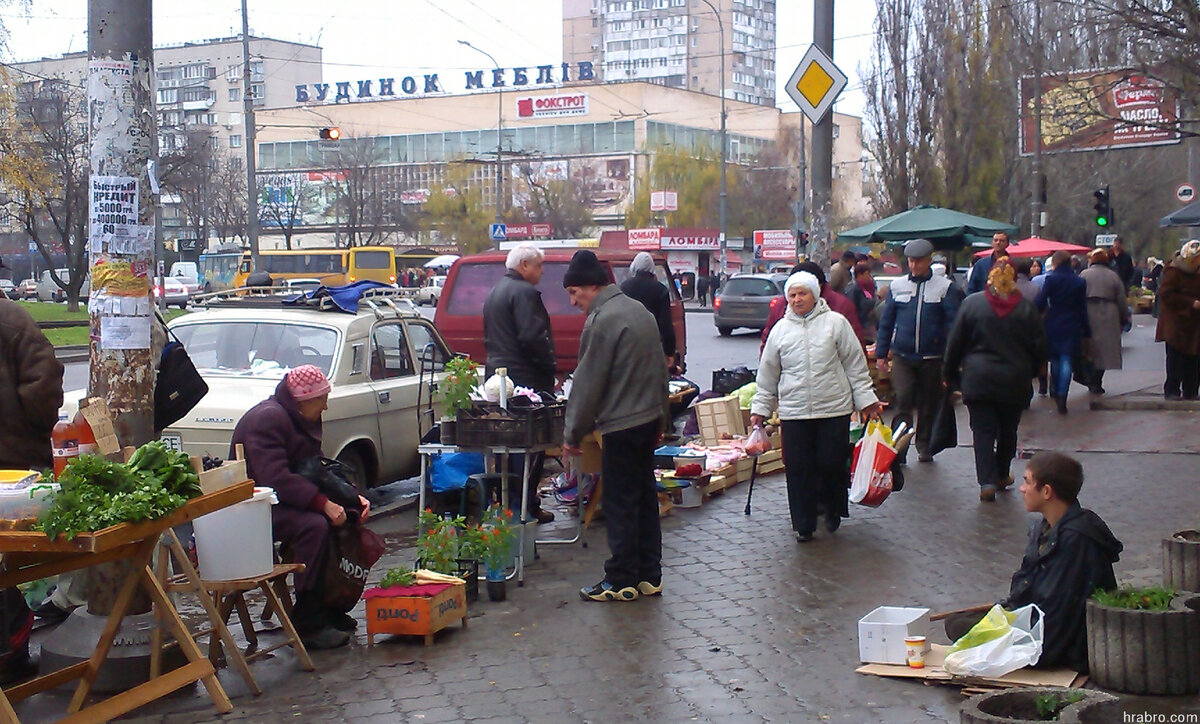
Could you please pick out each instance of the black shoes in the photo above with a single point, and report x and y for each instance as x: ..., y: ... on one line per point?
x: 803, y: 537
x: 1062, y: 405
x: 605, y: 591
x: 324, y: 638
x: 833, y: 521
x: 543, y: 516
x: 51, y: 613
x: 342, y: 621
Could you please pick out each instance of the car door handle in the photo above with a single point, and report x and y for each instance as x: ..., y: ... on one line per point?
x: 385, y: 397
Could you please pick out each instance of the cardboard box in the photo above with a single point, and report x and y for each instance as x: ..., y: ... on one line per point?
x: 881, y: 633
x: 720, y: 415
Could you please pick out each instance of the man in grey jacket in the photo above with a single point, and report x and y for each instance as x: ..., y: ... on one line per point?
x: 620, y: 391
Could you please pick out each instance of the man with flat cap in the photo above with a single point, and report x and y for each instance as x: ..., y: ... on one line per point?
x: 620, y: 391
x: 914, y: 326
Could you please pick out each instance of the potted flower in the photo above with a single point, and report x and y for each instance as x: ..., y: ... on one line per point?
x: 496, y: 540
x: 445, y: 546
x: 1143, y: 641
x: 462, y: 376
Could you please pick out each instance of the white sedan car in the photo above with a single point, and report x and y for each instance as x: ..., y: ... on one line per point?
x: 431, y: 292
x: 243, y: 348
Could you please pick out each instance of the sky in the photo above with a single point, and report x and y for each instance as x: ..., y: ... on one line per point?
x: 395, y: 38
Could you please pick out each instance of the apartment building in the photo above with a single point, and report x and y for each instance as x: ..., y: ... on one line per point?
x: 677, y: 43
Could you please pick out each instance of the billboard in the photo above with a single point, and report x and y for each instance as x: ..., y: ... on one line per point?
x: 645, y: 239
x: 775, y: 244
x: 1095, y: 110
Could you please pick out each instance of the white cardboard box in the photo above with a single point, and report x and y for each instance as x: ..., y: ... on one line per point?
x: 881, y: 633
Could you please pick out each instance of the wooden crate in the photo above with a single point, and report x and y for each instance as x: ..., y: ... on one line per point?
x: 231, y: 473
x: 716, y: 486
x: 664, y: 505
x: 745, y: 466
x: 720, y: 415
x: 769, y: 459
x: 416, y: 615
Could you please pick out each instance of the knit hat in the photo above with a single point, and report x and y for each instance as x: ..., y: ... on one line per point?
x: 585, y: 270
x: 307, y: 382
x: 1190, y: 249
x: 918, y: 248
x: 805, y: 279
x: 643, y: 262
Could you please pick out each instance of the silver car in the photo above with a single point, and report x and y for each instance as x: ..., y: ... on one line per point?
x: 746, y: 301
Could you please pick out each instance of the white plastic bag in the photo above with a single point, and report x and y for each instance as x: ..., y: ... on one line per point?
x: 871, y: 464
x: 1016, y: 648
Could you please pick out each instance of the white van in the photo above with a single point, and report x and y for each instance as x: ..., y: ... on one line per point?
x: 48, y: 291
x: 188, y: 274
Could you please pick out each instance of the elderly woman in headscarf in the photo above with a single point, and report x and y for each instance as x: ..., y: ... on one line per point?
x: 996, y: 347
x: 1108, y: 313
x: 1179, y: 322
x: 814, y: 371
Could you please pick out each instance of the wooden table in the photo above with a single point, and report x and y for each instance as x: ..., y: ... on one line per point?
x: 30, y: 555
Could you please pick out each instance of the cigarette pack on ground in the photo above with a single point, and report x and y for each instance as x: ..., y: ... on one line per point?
x: 881, y: 633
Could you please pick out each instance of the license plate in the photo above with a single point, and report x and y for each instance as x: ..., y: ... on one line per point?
x: 175, y: 442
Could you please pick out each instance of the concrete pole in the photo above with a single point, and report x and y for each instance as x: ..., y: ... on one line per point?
x: 499, y: 139
x: 1039, y: 190
x: 724, y: 139
x: 819, y: 241
x: 1193, y: 143
x: 121, y: 131
x: 251, y: 151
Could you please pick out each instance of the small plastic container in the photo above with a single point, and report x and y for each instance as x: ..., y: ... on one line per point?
x: 235, y: 542
x: 23, y: 495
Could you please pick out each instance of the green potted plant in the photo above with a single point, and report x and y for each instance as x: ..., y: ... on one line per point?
x: 496, y: 539
x: 1026, y: 705
x: 445, y: 545
x: 1142, y: 641
x: 462, y: 376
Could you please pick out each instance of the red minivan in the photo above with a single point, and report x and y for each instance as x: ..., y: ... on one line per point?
x: 459, y: 314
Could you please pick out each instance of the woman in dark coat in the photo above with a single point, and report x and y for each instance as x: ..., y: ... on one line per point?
x: 1179, y: 323
x: 278, y: 434
x: 996, y: 347
x: 1063, y: 302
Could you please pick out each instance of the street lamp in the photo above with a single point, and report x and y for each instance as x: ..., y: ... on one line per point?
x: 499, y: 132
x: 724, y: 140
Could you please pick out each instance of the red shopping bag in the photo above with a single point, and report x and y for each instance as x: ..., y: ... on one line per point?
x: 870, y: 466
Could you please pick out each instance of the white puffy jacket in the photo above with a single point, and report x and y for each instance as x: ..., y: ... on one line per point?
x: 812, y: 367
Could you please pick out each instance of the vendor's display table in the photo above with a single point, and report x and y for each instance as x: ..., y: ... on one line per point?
x: 503, y: 452
x: 30, y: 555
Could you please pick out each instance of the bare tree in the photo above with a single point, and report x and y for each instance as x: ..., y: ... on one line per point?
x: 227, y: 204
x: 282, y: 198
x: 360, y: 195
x: 559, y: 203
x: 187, y: 169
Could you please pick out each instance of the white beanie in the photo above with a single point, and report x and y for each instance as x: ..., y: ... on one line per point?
x: 643, y: 262
x: 806, y: 279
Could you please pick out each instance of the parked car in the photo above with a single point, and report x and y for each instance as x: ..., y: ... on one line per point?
x: 9, y: 289
x: 243, y: 348
x: 432, y: 290
x: 27, y: 289
x: 304, y: 284
x: 49, y: 291
x: 746, y: 300
x: 460, y: 317
x: 173, y: 291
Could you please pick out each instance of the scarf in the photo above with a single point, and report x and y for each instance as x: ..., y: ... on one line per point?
x: 1001, y: 305
x: 868, y: 288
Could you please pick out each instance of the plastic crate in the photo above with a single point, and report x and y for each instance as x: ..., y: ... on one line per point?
x: 487, y: 425
x: 725, y: 381
x: 554, y: 423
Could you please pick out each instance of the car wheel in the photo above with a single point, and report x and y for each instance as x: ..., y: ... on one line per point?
x: 725, y: 331
x: 356, y: 469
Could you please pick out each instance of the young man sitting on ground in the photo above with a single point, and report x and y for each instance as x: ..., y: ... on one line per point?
x: 1070, y: 554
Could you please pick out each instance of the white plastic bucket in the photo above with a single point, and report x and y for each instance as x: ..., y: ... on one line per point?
x: 235, y: 542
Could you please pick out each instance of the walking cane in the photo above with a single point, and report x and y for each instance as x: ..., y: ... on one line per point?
x: 750, y: 492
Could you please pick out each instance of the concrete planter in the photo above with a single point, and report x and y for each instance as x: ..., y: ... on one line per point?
x: 1019, y: 706
x: 1145, y: 652
x: 1181, y: 561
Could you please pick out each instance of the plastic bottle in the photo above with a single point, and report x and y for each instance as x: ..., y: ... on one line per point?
x: 70, y: 440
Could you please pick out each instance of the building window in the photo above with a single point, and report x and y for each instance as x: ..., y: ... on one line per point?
x: 235, y: 141
x: 235, y: 95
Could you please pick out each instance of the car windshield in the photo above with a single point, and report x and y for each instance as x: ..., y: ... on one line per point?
x: 256, y: 349
x: 475, y: 280
x: 750, y: 287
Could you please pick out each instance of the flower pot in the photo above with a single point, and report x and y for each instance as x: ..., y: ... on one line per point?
x: 448, y: 430
x: 497, y: 590
x: 1146, y: 652
x: 1181, y: 561
x: 1018, y: 706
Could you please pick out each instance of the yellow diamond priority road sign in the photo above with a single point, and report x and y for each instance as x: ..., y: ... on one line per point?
x: 815, y: 84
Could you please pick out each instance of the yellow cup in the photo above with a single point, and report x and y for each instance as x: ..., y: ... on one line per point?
x: 914, y: 651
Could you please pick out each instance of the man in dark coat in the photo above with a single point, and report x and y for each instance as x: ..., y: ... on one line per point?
x: 516, y: 334
x: 1063, y: 301
x: 642, y: 286
x: 278, y: 434
x: 702, y: 289
x: 1122, y: 262
x: 979, y: 273
x: 1179, y: 323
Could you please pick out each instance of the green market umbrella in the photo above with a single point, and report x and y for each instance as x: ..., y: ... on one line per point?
x: 949, y: 230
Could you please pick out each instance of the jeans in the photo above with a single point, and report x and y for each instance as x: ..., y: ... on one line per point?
x: 994, y: 428
x: 918, y: 384
x: 1183, y: 374
x: 1060, y: 374
x: 816, y: 454
x: 631, y: 506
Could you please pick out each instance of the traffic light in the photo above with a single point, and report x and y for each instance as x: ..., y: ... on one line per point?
x: 1103, y: 207
x: 331, y: 134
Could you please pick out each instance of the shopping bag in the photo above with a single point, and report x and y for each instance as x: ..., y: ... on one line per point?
x: 945, y: 427
x: 870, y: 466
x: 758, y: 442
x: 353, y: 549
x: 1002, y: 642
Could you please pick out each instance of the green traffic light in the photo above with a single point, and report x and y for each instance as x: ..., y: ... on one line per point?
x: 1101, y: 221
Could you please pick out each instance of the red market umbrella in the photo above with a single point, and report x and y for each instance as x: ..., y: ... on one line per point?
x: 1037, y: 246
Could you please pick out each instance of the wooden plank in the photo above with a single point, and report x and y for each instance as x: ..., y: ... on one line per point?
x: 24, y: 567
x: 46, y: 682
x: 140, y: 695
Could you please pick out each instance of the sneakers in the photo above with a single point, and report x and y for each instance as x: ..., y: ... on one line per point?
x: 605, y: 591
x: 324, y: 638
x: 987, y: 493
x: 650, y: 588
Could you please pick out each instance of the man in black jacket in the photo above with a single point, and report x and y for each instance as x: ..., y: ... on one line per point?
x: 516, y: 334
x: 642, y: 286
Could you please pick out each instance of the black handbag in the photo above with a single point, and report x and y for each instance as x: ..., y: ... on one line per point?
x: 330, y: 478
x: 179, y: 387
x: 945, y: 426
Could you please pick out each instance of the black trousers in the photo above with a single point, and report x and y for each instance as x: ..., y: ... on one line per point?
x: 1183, y: 374
x: 815, y: 458
x: 516, y: 467
x: 918, y: 386
x: 994, y: 428
x: 631, y: 506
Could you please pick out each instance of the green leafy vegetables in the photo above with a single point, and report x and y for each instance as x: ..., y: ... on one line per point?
x: 96, y: 493
x: 398, y: 577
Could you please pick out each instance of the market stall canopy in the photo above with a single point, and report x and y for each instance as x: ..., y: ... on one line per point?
x: 441, y: 261
x: 946, y: 228
x: 1187, y: 216
x: 1037, y: 246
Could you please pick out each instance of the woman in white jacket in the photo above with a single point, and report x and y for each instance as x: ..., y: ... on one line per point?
x: 813, y: 368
